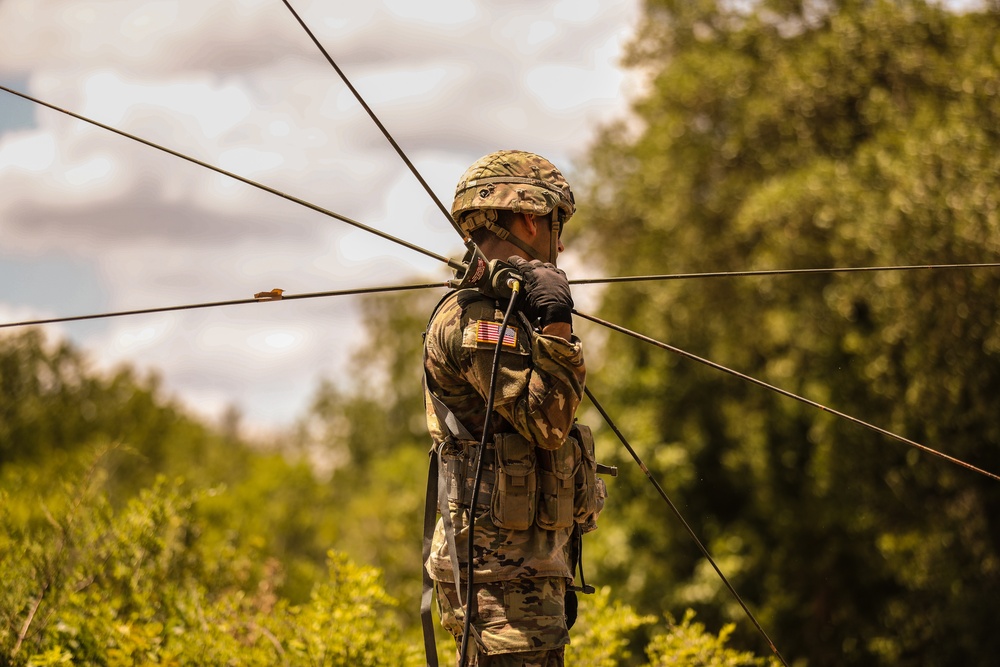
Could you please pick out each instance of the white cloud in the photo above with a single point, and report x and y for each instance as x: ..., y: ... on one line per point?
x: 579, y: 11
x: 153, y: 37
x: 29, y: 151
x: 400, y: 85
x: 540, y: 32
x: 441, y: 12
x: 247, y: 160
x: 207, y: 109
x: 90, y: 172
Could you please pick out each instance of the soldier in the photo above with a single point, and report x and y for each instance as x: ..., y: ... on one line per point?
x: 513, y: 205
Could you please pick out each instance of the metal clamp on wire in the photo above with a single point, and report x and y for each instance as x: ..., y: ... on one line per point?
x: 494, y: 278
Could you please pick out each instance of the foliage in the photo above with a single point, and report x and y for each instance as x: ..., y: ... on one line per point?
x: 779, y: 135
x: 601, y: 636
x: 244, y: 537
x: 688, y: 645
x: 87, y: 584
x: 373, y: 428
x: 101, y: 569
x: 53, y: 403
x: 772, y: 135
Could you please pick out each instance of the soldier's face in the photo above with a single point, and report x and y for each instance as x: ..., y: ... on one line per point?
x: 536, y: 232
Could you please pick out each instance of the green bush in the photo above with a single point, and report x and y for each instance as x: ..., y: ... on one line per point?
x: 689, y: 645
x: 87, y: 584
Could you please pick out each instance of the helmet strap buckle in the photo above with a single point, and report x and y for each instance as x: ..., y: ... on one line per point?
x: 554, y: 230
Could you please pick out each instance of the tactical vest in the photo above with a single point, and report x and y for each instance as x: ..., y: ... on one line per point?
x: 522, y: 484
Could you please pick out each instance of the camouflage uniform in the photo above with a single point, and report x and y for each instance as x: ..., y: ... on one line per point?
x: 514, y: 616
x: 520, y: 575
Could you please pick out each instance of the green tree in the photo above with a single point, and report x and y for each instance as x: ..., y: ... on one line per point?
x: 56, y: 408
x: 800, y: 135
x: 53, y: 403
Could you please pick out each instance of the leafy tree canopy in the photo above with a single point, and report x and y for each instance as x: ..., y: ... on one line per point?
x: 778, y: 135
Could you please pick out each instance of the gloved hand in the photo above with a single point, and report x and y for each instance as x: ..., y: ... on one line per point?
x: 546, y: 291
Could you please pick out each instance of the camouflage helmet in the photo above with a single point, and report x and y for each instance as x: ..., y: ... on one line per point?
x: 513, y: 180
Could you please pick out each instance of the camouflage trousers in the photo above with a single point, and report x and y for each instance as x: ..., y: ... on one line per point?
x: 518, y: 623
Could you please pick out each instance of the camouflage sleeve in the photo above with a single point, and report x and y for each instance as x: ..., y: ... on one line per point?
x: 540, y: 379
x: 554, y: 391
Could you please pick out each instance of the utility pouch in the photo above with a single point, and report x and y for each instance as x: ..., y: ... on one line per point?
x: 516, y: 479
x: 590, y: 490
x: 556, y: 489
x: 458, y: 458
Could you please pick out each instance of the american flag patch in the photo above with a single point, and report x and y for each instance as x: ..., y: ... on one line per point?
x: 489, y: 332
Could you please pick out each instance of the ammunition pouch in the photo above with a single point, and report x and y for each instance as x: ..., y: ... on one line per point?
x: 556, y: 484
x: 590, y: 491
x: 513, y: 505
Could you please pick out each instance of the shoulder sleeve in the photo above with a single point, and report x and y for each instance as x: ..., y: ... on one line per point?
x: 554, y: 391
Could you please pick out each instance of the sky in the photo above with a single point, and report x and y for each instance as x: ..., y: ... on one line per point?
x: 93, y: 222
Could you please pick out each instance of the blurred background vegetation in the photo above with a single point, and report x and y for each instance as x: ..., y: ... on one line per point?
x: 771, y: 135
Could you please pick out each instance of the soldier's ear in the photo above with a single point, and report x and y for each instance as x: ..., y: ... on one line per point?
x: 530, y: 224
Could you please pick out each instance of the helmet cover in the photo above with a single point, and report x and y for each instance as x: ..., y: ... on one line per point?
x: 517, y: 181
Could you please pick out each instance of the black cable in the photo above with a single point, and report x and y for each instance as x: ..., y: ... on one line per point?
x: 777, y: 272
x: 234, y: 302
x: 487, y: 434
x: 319, y: 209
x: 785, y: 392
x: 677, y: 513
x: 371, y: 114
x: 582, y: 281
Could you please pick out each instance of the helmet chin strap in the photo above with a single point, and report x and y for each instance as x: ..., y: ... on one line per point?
x: 487, y: 218
x: 554, y: 229
x: 525, y: 247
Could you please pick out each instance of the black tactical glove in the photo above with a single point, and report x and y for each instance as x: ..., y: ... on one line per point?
x: 546, y: 291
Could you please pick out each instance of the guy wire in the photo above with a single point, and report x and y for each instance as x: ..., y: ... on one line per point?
x: 777, y: 272
x: 381, y: 127
x: 319, y: 209
x: 234, y: 302
x: 677, y: 513
x: 785, y: 392
x: 580, y: 281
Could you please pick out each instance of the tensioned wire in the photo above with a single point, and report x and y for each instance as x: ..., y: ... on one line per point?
x: 231, y: 302
x: 378, y: 123
x: 458, y: 266
x: 575, y: 281
x: 694, y: 536
x: 781, y: 272
x: 274, y: 191
x: 784, y: 392
x: 454, y: 264
x: 450, y: 262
